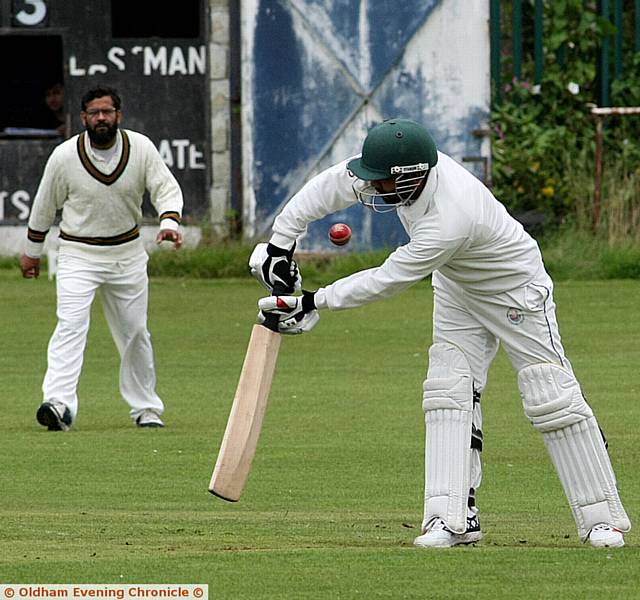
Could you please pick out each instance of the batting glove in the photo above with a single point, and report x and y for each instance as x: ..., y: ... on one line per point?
x: 273, y: 266
x: 296, y: 314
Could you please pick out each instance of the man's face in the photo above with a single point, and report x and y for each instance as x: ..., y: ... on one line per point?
x: 401, y: 188
x: 101, y: 121
x: 54, y: 97
x: 387, y: 186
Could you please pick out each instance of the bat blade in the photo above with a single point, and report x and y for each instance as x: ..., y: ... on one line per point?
x: 247, y: 413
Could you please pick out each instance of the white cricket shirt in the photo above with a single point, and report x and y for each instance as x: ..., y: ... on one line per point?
x: 456, y: 227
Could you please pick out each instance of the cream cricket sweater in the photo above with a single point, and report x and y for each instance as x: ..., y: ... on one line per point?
x: 101, y: 201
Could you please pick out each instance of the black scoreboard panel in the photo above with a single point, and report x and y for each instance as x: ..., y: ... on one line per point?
x: 157, y: 58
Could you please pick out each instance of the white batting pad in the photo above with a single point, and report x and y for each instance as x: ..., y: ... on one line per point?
x: 448, y: 408
x: 554, y: 403
x: 551, y: 397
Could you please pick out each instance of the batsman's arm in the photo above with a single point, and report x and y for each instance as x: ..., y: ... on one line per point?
x: 326, y: 193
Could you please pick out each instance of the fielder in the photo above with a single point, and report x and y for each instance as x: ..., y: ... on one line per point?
x: 98, y: 179
x: 490, y: 286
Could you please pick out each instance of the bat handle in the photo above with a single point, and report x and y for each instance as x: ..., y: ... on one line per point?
x: 271, y: 319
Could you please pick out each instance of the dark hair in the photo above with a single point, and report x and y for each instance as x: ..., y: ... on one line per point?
x: 54, y: 83
x: 100, y: 92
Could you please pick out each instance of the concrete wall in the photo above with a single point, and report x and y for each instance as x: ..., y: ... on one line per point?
x: 220, y: 115
x: 317, y: 74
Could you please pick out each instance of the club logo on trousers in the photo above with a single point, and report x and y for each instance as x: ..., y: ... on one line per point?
x: 515, y: 316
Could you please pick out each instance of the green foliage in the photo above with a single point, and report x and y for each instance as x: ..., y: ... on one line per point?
x: 211, y: 262
x: 231, y: 260
x: 8, y: 263
x: 626, y: 91
x: 538, y: 137
x: 569, y: 254
x: 543, y: 136
x: 334, y: 498
x: 328, y: 267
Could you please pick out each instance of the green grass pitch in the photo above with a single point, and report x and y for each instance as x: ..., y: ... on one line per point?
x: 334, y: 498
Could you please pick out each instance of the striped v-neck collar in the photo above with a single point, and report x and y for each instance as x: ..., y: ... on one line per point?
x: 106, y: 178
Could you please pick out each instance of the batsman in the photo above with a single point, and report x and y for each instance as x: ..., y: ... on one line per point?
x: 490, y: 286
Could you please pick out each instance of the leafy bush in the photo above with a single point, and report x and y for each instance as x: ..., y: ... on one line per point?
x: 543, y: 136
x: 8, y: 263
x: 568, y: 254
x: 578, y: 256
x: 226, y: 260
x: 231, y: 261
x: 538, y: 138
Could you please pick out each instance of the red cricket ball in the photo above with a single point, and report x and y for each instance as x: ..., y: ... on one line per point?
x: 340, y: 234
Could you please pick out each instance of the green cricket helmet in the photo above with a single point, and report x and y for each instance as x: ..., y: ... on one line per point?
x: 396, y: 148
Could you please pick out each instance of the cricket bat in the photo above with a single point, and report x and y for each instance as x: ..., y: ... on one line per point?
x: 247, y: 412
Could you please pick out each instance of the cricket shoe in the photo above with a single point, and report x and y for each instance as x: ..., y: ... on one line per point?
x: 606, y: 536
x: 55, y: 416
x: 149, y: 418
x: 438, y: 535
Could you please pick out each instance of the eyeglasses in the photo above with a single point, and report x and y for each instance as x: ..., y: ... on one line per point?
x: 107, y: 112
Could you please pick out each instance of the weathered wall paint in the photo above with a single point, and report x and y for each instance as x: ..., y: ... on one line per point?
x: 318, y: 73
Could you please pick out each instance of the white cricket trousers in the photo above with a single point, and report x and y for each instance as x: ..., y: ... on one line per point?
x: 522, y: 320
x: 124, y: 291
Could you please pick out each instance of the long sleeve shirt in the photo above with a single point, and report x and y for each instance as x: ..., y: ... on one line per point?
x: 456, y: 227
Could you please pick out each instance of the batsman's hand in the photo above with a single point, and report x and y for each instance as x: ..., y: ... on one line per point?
x: 273, y: 266
x: 296, y: 314
x: 30, y: 267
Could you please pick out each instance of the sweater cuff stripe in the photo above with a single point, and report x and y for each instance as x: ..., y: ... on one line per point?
x: 36, y: 236
x: 174, y: 216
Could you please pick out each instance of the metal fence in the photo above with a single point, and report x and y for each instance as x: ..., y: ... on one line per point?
x: 612, y: 51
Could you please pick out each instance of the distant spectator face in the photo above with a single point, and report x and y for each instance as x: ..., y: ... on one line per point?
x: 54, y: 97
x: 101, y: 120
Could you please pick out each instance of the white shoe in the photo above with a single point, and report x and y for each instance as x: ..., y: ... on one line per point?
x: 438, y: 535
x: 149, y: 418
x: 606, y: 536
